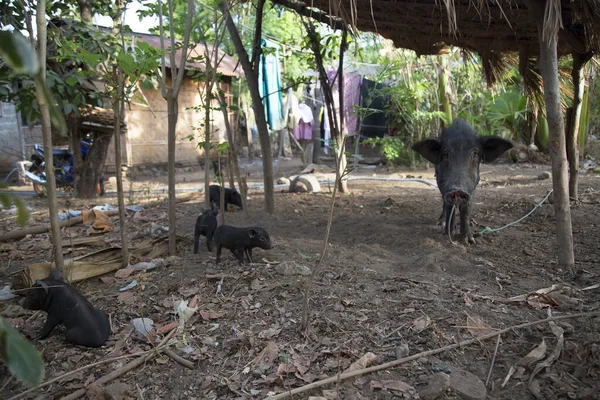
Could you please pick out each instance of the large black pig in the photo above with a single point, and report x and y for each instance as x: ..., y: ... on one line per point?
x: 457, y: 155
x: 85, y: 325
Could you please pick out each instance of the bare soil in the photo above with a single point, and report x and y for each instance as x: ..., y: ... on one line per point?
x: 391, y: 284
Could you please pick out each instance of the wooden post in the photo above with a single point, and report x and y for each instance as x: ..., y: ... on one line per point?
x: 548, y: 38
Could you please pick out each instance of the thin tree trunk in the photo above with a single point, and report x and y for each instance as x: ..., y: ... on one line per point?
x: 47, y: 137
x: 549, y: 66
x: 443, y: 93
x: 341, y: 143
x: 585, y: 118
x: 171, y: 94
x: 250, y: 71
x: 118, y: 110
x: 207, y: 143
x: 172, y: 110
x: 222, y: 193
x: 233, y: 161
x: 579, y: 61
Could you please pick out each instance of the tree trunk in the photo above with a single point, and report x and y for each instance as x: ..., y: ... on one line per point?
x: 47, y: 137
x: 579, y: 61
x: 87, y: 171
x: 207, y: 143
x: 119, y: 107
x: 233, y: 160
x: 85, y: 10
x: 250, y: 71
x: 548, y: 62
x: 172, y: 109
x: 443, y: 93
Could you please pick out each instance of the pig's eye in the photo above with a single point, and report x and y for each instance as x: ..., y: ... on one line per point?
x: 262, y: 239
x: 445, y: 155
x: 475, y: 154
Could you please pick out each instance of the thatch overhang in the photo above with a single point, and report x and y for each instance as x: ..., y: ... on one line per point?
x: 484, y: 26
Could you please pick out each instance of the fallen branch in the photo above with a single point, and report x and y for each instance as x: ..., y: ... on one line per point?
x: 179, y: 360
x: 423, y: 354
x: 32, y: 230
x: 124, y: 369
x: 67, y: 374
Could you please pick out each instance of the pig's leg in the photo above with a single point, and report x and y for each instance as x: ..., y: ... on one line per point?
x: 209, y: 236
x: 50, y: 324
x: 465, y: 224
x: 249, y: 252
x: 218, y: 252
x: 240, y: 255
x: 196, y: 239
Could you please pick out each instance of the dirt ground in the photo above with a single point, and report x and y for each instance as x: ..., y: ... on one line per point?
x: 391, y: 284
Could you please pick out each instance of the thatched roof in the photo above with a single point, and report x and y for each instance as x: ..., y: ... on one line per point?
x: 484, y: 26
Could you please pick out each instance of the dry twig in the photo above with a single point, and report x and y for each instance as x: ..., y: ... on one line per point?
x: 395, y: 363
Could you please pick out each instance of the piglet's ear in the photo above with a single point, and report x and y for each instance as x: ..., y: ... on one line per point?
x: 252, y: 233
x: 493, y: 147
x: 429, y: 148
x: 43, y: 285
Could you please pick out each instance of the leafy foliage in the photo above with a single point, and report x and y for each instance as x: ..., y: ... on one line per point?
x: 21, y: 357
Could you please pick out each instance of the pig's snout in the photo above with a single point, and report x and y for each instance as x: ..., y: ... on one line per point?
x: 457, y: 196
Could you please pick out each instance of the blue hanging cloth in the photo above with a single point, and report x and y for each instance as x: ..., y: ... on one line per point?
x: 269, y: 85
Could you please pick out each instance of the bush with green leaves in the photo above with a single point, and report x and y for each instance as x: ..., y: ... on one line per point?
x: 21, y: 357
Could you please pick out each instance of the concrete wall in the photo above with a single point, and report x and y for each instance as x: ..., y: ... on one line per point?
x: 11, y: 143
x: 145, y: 141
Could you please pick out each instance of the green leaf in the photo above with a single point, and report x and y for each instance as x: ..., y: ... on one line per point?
x: 72, y: 81
x: 22, y: 358
x: 16, y: 51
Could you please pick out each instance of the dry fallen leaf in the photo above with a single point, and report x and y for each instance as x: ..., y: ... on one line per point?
x: 269, y: 333
x: 124, y: 272
x: 392, y: 385
x: 421, y: 323
x: 127, y: 297
x: 285, y: 369
x: 302, y: 363
x: 477, y: 327
x: 209, y: 314
x: 468, y: 301
x: 534, y: 355
x: 363, y: 362
x: 268, y: 354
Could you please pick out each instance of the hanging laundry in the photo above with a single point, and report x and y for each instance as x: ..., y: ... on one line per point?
x: 303, y: 131
x: 269, y: 85
x: 305, y: 112
x: 352, y: 84
x: 326, y: 130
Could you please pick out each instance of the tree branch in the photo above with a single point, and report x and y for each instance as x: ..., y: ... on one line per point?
x: 163, y: 83
x: 304, y: 10
x: 184, y: 50
x: 256, y: 46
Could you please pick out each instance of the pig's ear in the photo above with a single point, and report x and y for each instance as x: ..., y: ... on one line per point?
x: 493, y: 147
x: 429, y: 148
x: 43, y: 285
x: 252, y: 232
